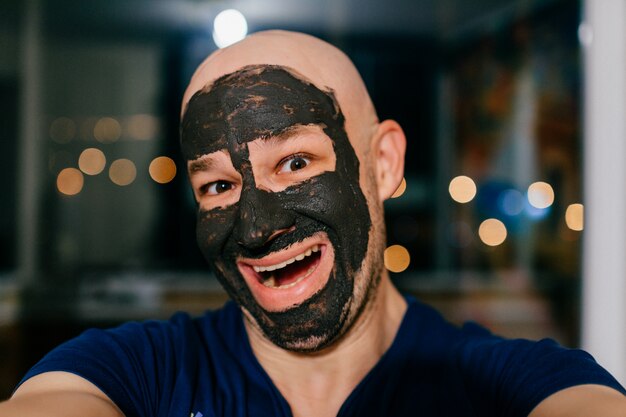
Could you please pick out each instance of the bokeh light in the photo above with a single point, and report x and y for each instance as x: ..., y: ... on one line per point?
x: 70, y: 181
x: 462, y: 189
x: 122, y: 172
x: 92, y: 161
x: 535, y: 213
x: 62, y: 130
x: 540, y: 195
x: 401, y: 189
x: 585, y: 34
x: 574, y: 217
x: 229, y: 26
x: 397, y: 258
x: 511, y: 202
x: 492, y: 232
x: 142, y: 127
x: 107, y: 130
x: 162, y: 169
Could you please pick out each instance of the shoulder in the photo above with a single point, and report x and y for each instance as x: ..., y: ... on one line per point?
x: 180, y: 328
x: 139, y: 364
x: 499, y: 376
x: 517, y: 374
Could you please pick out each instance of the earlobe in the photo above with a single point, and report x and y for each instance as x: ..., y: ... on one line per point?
x: 389, y: 146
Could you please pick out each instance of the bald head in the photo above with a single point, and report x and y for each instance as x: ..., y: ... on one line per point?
x: 322, y: 64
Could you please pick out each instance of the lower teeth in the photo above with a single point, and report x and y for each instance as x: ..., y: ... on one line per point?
x: 271, y: 281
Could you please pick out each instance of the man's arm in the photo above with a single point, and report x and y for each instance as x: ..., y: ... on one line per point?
x: 58, y: 394
x: 583, y: 401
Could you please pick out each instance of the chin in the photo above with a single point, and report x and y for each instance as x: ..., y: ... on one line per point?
x: 320, y: 319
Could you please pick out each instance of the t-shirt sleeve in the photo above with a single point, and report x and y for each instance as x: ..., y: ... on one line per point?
x: 122, y: 362
x: 511, y: 377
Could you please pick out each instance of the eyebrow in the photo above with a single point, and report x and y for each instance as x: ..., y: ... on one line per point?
x: 206, y: 162
x: 292, y: 131
x: 201, y: 164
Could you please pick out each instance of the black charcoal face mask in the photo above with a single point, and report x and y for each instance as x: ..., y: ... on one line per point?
x: 259, y: 102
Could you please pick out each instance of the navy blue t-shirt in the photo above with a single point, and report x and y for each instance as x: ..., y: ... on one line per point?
x: 205, y: 367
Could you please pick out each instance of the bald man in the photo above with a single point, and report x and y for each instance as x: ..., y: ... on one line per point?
x: 290, y: 165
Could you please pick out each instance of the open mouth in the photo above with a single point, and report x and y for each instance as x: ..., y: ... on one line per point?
x: 290, y: 272
x: 288, y: 277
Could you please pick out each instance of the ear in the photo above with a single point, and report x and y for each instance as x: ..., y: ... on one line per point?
x: 387, y: 149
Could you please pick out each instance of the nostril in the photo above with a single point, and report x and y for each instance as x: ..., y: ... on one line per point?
x: 258, y: 238
x: 281, y: 232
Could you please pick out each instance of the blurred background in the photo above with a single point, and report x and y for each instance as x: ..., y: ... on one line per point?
x: 505, y: 121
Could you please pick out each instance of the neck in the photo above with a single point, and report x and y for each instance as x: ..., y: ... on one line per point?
x: 317, y: 384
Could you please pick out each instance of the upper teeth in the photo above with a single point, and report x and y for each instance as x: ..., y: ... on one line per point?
x: 288, y: 261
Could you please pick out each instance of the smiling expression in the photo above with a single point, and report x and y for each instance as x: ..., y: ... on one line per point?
x: 282, y: 217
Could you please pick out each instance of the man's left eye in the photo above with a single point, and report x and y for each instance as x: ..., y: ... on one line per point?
x: 293, y: 163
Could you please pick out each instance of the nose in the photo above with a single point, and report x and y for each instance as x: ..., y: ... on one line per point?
x: 261, y: 218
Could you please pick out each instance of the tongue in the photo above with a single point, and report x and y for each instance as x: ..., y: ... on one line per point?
x: 292, y: 272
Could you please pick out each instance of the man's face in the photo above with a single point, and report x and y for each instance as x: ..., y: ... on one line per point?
x: 282, y: 217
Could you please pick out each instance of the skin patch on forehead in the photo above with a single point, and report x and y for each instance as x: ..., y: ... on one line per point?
x: 257, y: 101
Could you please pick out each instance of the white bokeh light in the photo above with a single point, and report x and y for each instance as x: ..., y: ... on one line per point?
x: 585, y: 34
x: 540, y: 195
x: 229, y: 26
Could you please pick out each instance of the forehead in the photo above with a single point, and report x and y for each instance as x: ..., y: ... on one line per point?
x: 251, y: 103
x: 291, y: 141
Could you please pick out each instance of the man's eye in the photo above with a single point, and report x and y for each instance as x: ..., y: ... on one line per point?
x: 216, y: 187
x: 293, y: 163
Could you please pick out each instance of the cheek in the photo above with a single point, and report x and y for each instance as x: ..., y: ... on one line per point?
x: 338, y: 203
x: 213, y: 228
x: 329, y: 197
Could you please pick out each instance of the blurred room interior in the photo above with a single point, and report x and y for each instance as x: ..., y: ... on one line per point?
x: 513, y: 111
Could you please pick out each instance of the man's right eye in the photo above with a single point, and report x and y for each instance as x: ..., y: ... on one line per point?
x: 216, y: 187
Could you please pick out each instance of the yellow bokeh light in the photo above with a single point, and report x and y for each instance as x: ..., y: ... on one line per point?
x: 142, y: 127
x: 462, y: 189
x: 107, y: 130
x: 162, y: 169
x: 401, y: 189
x: 62, y: 130
x: 574, y: 217
x: 397, y: 258
x: 492, y: 232
x: 70, y: 181
x: 540, y: 195
x: 92, y: 161
x: 122, y: 172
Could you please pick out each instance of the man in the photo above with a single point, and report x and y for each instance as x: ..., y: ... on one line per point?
x: 290, y: 167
